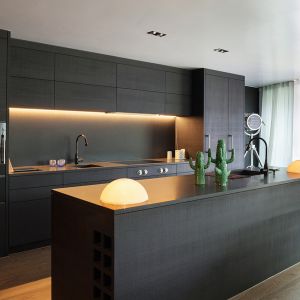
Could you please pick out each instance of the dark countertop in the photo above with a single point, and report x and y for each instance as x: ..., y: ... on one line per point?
x: 44, y: 169
x: 176, y: 189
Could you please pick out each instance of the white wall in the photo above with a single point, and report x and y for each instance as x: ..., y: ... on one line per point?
x: 296, y: 131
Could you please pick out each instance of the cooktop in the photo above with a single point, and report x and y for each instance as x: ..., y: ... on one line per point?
x: 140, y: 162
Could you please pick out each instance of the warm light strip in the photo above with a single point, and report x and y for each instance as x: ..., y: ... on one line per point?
x: 75, y: 112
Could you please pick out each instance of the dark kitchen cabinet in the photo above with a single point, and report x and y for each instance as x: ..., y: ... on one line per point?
x: 30, y: 209
x: 31, y: 63
x: 223, y: 108
x: 178, y: 105
x: 2, y: 229
x: 3, y: 63
x: 140, y: 78
x: 146, y: 171
x: 70, y: 68
x: 74, y: 96
x: 179, y: 83
x: 236, y: 121
x: 2, y: 188
x: 82, y: 177
x: 30, y: 93
x: 29, y: 222
x: 136, y: 101
x: 220, y: 98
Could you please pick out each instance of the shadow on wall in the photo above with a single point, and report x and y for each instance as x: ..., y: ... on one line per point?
x: 36, y: 136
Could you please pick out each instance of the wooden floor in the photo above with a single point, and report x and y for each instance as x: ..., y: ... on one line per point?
x: 26, y: 276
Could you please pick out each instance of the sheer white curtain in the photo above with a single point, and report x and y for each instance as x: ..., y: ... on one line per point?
x: 277, y: 110
x: 296, y: 134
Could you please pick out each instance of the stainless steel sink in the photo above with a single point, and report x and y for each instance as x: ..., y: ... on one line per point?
x: 87, y: 166
x: 246, y: 172
x: 23, y: 170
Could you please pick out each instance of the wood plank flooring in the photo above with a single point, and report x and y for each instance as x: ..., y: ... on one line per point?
x: 26, y: 276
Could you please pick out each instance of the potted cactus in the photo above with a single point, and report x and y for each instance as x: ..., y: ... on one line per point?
x: 221, y: 162
x: 200, y: 166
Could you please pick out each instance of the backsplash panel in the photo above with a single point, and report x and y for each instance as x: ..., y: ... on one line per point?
x: 39, y: 135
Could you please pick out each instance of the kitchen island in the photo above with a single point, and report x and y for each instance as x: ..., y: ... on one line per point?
x: 186, y: 242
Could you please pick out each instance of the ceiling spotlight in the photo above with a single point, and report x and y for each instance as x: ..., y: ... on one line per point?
x: 156, y: 33
x: 220, y: 50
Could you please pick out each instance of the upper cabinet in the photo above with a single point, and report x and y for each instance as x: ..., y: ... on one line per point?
x: 178, y: 94
x: 44, y: 76
x: 30, y: 78
x: 31, y: 63
x: 140, y: 90
x: 139, y: 78
x: 84, y: 70
x: 3, y: 63
x: 178, y: 83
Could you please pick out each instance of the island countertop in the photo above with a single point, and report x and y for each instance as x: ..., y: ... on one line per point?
x: 176, y: 189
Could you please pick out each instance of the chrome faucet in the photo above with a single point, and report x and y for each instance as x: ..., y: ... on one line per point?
x: 265, y: 169
x: 77, y: 159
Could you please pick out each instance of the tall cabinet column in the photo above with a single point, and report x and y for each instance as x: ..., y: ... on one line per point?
x: 4, y: 35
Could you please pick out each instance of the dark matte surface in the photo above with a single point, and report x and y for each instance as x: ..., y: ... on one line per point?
x: 208, y: 244
x: 33, y: 60
x: 3, y: 231
x: 209, y: 248
x: 74, y: 96
x: 82, y: 70
x: 3, y: 62
x: 30, y: 93
x: 236, y: 109
x: 110, y: 137
x: 137, y: 101
x: 179, y: 189
x: 137, y: 78
x: 31, y: 63
x: 178, y: 105
x: 178, y: 83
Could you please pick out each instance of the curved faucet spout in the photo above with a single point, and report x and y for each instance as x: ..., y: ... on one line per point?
x: 265, y: 170
x: 77, y: 160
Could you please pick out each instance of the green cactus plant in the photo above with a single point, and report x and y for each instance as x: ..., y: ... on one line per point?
x: 221, y: 162
x: 200, y: 166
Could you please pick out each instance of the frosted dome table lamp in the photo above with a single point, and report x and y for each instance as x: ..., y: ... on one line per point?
x: 294, y: 167
x: 124, y: 191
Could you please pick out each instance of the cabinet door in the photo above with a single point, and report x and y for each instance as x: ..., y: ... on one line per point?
x: 2, y: 188
x: 236, y: 121
x: 178, y: 105
x: 31, y: 63
x: 30, y: 93
x: 74, y: 96
x: 3, y: 59
x: 215, y: 111
x: 138, y: 78
x: 29, y: 222
x: 83, y: 70
x: 136, y: 101
x: 177, y: 83
x: 2, y: 229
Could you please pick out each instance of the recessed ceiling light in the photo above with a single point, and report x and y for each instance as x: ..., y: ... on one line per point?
x: 220, y: 50
x: 156, y: 33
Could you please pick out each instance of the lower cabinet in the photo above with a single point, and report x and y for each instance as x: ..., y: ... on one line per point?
x: 2, y: 229
x: 29, y: 222
x: 29, y: 216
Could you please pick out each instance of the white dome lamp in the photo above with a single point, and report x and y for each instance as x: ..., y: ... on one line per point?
x: 124, y: 191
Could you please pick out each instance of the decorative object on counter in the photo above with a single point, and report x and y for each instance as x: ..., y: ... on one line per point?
x: 169, y: 155
x: 221, y: 162
x: 61, y: 162
x: 200, y: 166
x: 180, y: 154
x: 52, y: 163
x: 10, y: 167
x: 124, y: 191
x: 294, y: 167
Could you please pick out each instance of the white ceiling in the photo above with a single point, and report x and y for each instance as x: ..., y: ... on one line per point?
x: 263, y: 36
